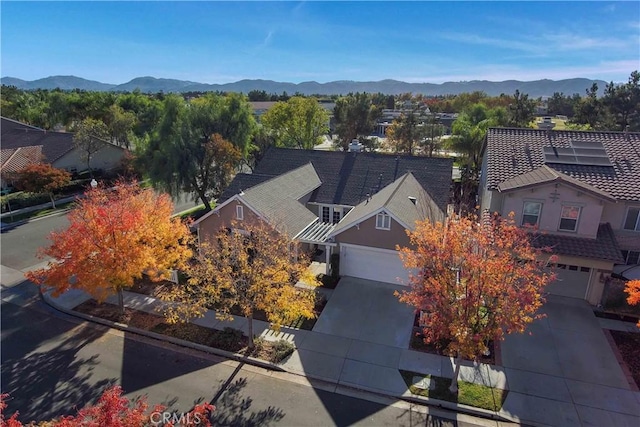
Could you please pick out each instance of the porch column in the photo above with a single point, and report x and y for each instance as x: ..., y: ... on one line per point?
x: 327, y: 251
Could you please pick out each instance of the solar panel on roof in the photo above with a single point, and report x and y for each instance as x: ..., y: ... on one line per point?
x: 588, y: 153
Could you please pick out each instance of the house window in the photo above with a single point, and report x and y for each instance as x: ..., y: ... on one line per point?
x: 239, y: 212
x: 326, y: 212
x: 531, y: 213
x: 383, y: 221
x: 336, y: 216
x: 632, y: 222
x: 631, y: 257
x: 569, y: 218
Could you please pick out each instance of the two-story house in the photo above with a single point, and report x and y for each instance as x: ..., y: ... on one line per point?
x: 579, y: 191
x: 356, y: 204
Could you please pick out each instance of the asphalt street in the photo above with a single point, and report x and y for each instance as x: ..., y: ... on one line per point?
x: 53, y: 364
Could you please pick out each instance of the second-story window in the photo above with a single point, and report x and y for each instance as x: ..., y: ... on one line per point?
x: 632, y: 222
x: 326, y: 214
x: 336, y: 216
x: 569, y: 218
x: 239, y: 212
x: 383, y: 221
x: 531, y: 213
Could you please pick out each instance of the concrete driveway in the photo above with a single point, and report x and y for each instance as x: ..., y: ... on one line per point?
x: 367, y: 311
x: 567, y: 367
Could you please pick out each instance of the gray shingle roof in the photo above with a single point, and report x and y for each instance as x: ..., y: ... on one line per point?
x: 277, y: 199
x: 544, y: 175
x: 512, y: 152
x: 604, y: 246
x: 394, y: 198
x: 54, y: 144
x: 347, y: 178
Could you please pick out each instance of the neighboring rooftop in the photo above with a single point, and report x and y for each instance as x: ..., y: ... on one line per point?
x: 405, y: 199
x: 348, y: 178
x: 19, y: 135
x: 511, y: 152
x: 15, y: 159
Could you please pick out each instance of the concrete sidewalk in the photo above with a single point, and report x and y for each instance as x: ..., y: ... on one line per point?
x: 338, y: 360
x: 536, y: 396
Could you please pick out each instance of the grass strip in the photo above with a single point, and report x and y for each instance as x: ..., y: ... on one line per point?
x: 477, y: 395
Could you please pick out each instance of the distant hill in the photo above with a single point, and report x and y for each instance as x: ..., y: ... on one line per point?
x: 534, y: 88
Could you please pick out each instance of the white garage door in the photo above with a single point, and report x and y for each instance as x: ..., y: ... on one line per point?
x: 364, y: 262
x: 570, y: 283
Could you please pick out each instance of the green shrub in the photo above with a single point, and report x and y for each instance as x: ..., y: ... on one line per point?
x: 22, y: 199
x: 281, y: 350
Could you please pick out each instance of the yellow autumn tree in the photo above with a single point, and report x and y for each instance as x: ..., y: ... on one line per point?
x: 115, y: 234
x: 250, y: 267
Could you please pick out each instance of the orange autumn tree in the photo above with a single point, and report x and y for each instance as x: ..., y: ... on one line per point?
x: 115, y: 234
x: 115, y: 410
x: 475, y: 280
x: 250, y: 267
x: 632, y: 288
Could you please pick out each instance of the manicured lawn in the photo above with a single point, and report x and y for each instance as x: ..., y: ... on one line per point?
x: 476, y: 395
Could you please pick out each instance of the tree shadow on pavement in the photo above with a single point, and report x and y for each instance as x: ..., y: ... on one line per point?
x: 233, y: 409
x: 46, y: 384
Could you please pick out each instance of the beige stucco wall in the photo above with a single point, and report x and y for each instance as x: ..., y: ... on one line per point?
x: 223, y: 217
x: 368, y: 235
x: 590, y: 215
x: 106, y: 158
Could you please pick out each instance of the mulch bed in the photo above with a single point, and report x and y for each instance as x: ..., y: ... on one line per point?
x: 231, y: 340
x: 628, y: 344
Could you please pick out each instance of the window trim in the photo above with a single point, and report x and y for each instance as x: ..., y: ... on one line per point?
x: 637, y: 226
x: 385, y: 218
x: 577, y: 219
x: 522, y: 223
x: 239, y: 212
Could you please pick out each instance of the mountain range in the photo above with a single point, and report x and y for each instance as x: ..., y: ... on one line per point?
x: 534, y: 88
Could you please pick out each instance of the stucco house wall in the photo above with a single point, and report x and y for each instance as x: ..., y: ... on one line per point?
x: 106, y: 158
x: 224, y: 217
x: 368, y: 235
x: 549, y: 221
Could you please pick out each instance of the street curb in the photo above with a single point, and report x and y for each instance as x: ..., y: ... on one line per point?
x: 457, y: 407
x: 160, y: 337
x: 469, y: 410
x: 10, y: 225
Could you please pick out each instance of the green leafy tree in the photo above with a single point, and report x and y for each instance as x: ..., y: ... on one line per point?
x: 121, y: 124
x: 196, y: 146
x: 90, y: 137
x: 354, y: 116
x: 623, y: 103
x: 521, y: 111
x: 406, y: 132
x: 299, y: 122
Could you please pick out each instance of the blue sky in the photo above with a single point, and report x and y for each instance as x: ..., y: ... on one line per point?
x: 220, y: 42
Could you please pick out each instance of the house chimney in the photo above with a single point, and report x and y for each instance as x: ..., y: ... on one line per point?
x: 626, y: 133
